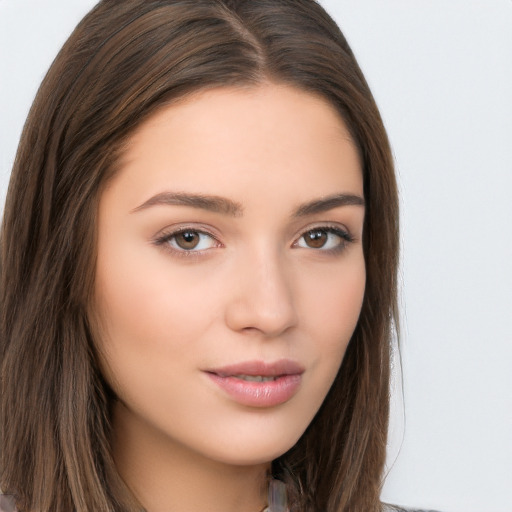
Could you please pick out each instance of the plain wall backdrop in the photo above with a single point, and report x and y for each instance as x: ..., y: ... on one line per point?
x: 441, y: 72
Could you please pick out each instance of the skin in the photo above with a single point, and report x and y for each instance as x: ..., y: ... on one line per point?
x: 254, y: 288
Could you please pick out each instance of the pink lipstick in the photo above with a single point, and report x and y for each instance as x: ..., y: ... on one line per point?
x: 259, y: 384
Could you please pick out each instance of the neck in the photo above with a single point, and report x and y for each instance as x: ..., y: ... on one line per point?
x: 167, y: 476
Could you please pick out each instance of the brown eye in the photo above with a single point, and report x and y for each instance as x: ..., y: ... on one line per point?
x: 187, y: 240
x: 324, y: 239
x: 316, y: 239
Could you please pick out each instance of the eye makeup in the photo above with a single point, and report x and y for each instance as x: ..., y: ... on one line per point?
x: 186, y: 241
x: 196, y: 241
x: 325, y: 238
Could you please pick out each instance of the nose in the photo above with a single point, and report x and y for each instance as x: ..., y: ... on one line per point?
x: 262, y: 299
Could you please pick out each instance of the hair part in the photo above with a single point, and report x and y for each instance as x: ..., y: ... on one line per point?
x: 123, y: 62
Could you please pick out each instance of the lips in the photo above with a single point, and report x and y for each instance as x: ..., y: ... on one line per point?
x: 257, y: 383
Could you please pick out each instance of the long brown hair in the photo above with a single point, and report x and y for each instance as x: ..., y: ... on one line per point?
x: 124, y: 61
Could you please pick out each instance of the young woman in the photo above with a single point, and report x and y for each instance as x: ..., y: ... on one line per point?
x: 198, y: 268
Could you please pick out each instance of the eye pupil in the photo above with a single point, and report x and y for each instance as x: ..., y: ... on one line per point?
x: 316, y: 239
x: 187, y: 239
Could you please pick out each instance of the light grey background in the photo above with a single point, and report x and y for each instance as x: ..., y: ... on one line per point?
x: 441, y: 72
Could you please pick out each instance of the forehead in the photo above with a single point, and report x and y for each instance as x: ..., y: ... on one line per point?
x: 267, y: 140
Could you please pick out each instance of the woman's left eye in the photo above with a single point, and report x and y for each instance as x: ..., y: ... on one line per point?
x: 188, y: 240
x: 324, y: 238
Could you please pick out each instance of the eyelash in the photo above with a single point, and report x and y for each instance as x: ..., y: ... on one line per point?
x: 165, y: 239
x: 345, y: 238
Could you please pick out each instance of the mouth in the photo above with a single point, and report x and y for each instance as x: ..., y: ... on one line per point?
x: 262, y: 369
x: 255, y: 378
x: 259, y: 384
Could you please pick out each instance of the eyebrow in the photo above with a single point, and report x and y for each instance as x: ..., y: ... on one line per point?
x: 214, y: 204
x: 226, y: 206
x: 328, y: 203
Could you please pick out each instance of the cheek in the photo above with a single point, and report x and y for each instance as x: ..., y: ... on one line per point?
x: 335, y: 307
x: 330, y: 317
x: 137, y: 314
x: 140, y: 296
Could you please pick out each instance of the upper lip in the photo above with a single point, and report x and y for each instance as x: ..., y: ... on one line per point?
x: 259, y: 368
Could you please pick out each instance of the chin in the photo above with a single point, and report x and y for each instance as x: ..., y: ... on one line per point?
x: 257, y: 444
x: 251, y: 455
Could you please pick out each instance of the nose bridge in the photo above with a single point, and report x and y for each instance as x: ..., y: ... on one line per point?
x: 263, y: 299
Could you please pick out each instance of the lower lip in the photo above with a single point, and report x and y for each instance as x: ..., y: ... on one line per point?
x: 259, y: 394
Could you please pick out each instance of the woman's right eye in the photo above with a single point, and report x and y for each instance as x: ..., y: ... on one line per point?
x: 188, y: 240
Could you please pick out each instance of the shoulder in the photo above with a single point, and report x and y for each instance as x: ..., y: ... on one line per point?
x: 395, y: 508
x: 7, y: 503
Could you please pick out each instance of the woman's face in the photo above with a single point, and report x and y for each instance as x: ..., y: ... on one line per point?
x: 230, y: 271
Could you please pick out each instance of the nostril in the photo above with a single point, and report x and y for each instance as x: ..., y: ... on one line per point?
x: 264, y: 316
x: 264, y: 300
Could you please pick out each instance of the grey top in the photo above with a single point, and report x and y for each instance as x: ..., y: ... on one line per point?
x: 395, y: 508
x: 7, y: 505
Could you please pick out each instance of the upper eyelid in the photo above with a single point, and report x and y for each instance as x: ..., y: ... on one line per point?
x: 170, y: 231
x: 343, y: 233
x: 163, y: 240
x: 328, y: 226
